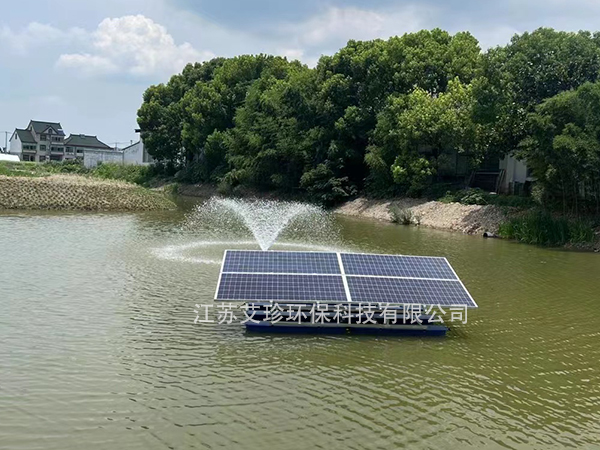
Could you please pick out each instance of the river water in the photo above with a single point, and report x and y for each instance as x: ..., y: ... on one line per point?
x: 99, y: 350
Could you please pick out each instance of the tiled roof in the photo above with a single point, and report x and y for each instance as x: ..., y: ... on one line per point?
x: 83, y: 140
x: 40, y: 127
x: 25, y: 136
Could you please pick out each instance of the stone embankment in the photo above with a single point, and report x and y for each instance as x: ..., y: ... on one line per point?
x: 73, y: 192
x: 470, y: 219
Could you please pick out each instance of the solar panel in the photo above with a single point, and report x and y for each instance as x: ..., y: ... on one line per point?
x: 249, y: 275
x: 398, y: 266
x: 238, y: 286
x: 406, y: 290
x: 237, y: 261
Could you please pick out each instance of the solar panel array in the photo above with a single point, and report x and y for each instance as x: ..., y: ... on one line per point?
x: 281, y: 262
x: 397, y: 266
x: 248, y: 275
x: 424, y: 292
x: 256, y: 286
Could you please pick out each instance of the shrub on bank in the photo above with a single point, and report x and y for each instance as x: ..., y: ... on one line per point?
x: 541, y: 228
x: 476, y: 196
x: 130, y: 173
x: 403, y: 216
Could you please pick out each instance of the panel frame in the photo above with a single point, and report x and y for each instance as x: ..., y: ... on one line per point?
x: 336, y: 277
x: 403, y: 256
x: 282, y: 273
x: 344, y: 276
x: 459, y: 285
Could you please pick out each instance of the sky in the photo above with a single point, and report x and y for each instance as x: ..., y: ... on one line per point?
x: 87, y: 63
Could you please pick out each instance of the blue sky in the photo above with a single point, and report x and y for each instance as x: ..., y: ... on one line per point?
x: 87, y: 63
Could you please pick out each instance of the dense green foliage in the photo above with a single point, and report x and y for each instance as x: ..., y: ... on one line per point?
x: 563, y: 147
x: 541, y: 228
x: 384, y: 117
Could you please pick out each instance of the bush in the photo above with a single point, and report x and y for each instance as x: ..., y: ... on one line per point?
x: 469, y: 196
x: 325, y: 188
x: 541, y: 228
x: 476, y: 196
x: 402, y: 216
x: 66, y: 166
x: 131, y: 173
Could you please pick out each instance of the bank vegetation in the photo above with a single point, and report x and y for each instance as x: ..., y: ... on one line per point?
x: 69, y: 186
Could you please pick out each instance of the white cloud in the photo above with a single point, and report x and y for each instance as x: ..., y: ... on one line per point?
x: 87, y: 64
x: 291, y: 53
x: 135, y: 45
x: 494, y: 35
x: 37, y: 34
x: 333, y: 28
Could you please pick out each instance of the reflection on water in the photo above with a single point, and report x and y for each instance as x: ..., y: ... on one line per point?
x: 98, y: 348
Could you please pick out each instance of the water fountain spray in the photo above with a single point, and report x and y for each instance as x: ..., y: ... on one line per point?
x: 266, y: 219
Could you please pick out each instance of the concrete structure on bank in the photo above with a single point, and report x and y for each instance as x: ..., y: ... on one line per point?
x: 94, y: 157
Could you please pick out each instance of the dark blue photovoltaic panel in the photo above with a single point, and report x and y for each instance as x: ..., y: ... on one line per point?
x: 397, y: 266
x: 281, y: 262
x: 403, y: 290
x: 241, y: 286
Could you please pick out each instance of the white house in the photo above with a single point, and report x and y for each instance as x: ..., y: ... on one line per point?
x: 40, y: 141
x: 77, y: 145
x: 136, y: 154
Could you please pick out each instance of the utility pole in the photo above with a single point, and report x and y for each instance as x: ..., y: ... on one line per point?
x: 5, y: 140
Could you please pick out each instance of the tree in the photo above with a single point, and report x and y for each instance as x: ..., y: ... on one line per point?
x: 563, y: 146
x: 533, y: 67
x: 415, y: 130
x: 161, y: 114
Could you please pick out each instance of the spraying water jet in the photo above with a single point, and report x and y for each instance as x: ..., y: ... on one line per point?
x: 265, y: 219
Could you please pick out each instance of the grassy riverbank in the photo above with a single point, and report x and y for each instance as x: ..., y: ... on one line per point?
x: 531, y: 225
x: 72, y: 187
x: 538, y: 227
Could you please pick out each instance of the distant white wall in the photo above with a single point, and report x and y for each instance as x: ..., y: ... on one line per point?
x: 14, y: 145
x: 5, y: 157
x: 136, y: 154
x: 515, y: 171
x: 91, y: 158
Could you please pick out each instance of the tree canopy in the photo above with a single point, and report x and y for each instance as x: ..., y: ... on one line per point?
x: 377, y: 116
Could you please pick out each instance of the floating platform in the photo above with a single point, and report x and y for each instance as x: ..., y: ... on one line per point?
x: 377, y: 330
x: 341, y: 293
x: 332, y: 319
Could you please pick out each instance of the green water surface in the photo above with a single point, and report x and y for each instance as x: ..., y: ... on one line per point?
x: 99, y: 350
